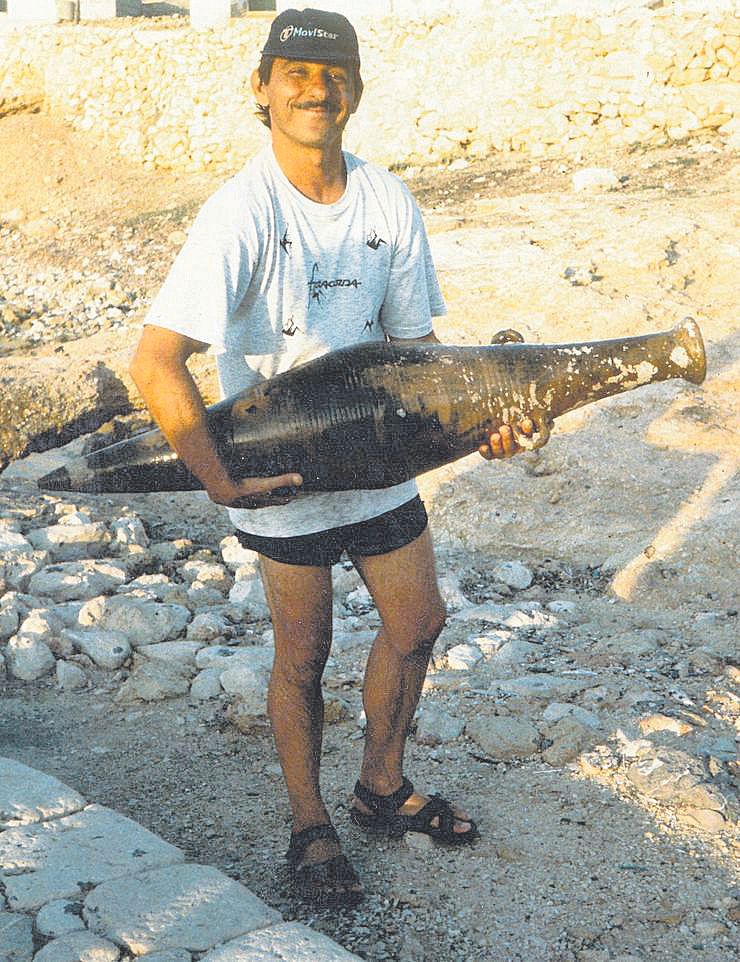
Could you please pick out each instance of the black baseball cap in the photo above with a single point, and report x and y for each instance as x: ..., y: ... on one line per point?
x: 315, y: 35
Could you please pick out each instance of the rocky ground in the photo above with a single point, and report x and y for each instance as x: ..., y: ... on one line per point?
x: 584, y: 699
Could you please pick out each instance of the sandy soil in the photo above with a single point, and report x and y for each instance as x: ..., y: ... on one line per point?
x: 630, y: 511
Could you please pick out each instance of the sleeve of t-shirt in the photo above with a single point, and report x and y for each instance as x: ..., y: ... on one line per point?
x: 413, y: 296
x: 209, y: 277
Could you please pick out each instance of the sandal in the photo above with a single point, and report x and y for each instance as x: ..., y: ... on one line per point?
x: 387, y: 820
x: 327, y: 884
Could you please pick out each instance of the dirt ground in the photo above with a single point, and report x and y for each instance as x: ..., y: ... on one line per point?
x: 630, y: 512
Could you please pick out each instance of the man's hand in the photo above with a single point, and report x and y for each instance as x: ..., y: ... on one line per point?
x: 255, y: 492
x: 160, y: 371
x: 502, y: 443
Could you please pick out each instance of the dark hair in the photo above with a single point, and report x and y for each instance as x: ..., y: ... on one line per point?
x: 264, y: 71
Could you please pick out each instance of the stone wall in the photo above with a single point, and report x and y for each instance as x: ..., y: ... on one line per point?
x: 437, y: 89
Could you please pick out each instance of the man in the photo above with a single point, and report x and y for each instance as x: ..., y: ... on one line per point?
x: 306, y: 250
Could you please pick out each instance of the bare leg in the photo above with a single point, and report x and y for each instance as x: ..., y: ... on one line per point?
x: 300, y: 600
x: 403, y: 585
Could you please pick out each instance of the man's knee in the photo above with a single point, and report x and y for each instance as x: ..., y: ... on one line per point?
x: 419, y: 635
x: 300, y: 666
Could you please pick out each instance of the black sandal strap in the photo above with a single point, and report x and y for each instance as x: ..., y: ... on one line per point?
x: 299, y: 841
x: 436, y: 807
x: 336, y: 869
x: 328, y: 884
x: 385, y: 805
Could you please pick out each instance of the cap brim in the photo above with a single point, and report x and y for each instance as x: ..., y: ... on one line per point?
x: 311, y: 58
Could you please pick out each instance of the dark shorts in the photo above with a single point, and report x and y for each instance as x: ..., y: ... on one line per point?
x: 387, y: 532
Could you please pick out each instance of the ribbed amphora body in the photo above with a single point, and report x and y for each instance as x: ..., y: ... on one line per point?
x: 373, y: 415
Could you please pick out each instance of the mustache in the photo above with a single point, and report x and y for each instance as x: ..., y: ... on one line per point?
x: 327, y: 105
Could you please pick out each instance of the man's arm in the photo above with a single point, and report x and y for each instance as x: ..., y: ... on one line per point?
x: 501, y: 443
x: 159, y: 370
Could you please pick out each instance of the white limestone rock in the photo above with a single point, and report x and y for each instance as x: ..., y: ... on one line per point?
x: 250, y: 682
x: 206, y: 685
x: 169, y: 551
x: 60, y: 858
x: 249, y: 593
x: 108, y: 649
x: 514, y: 574
x: 516, y: 652
x: 283, y: 942
x: 68, y: 613
x: 196, y: 908
x: 13, y: 544
x: 463, y: 657
x: 130, y: 531
x: 172, y: 652
x: 201, y: 596
x: 78, y: 947
x: 9, y: 621
x: 450, y: 681
x: 70, y: 677
x: 16, y: 937
x: 454, y: 599
x: 207, y: 575
x: 629, y: 647
x: 22, y: 602
x: 246, y: 571
x: 43, y: 624
x: 59, y: 918
x: 17, y: 572
x: 156, y: 586
x: 154, y: 681
x: 527, y: 614
x: 658, y: 722
x: 540, y: 685
x: 28, y: 658
x: 557, y: 710
x: 489, y: 611
x: 77, y: 580
x: 359, y: 598
x: 224, y: 656
x: 503, y: 737
x: 531, y: 617
x: 345, y: 579
x: 209, y: 625
x: 594, y: 180
x: 70, y: 514
x: 168, y: 955
x: 560, y: 607
x: 569, y: 739
x: 435, y: 726
x: 236, y: 556
x: 674, y: 778
x: 28, y: 796
x: 72, y: 542
x: 143, y: 622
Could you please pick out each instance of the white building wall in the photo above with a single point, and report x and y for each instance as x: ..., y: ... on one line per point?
x: 358, y: 9
x: 421, y: 9
x: 33, y: 11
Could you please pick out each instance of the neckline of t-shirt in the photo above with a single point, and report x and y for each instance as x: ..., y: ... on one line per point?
x: 327, y: 211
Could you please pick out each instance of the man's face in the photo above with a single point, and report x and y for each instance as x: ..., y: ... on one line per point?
x: 310, y: 103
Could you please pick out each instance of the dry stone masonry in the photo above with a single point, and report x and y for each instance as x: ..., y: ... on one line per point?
x: 81, y: 882
x: 528, y: 77
x: 87, y: 599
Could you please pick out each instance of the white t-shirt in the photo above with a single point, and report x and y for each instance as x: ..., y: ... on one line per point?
x: 271, y: 279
